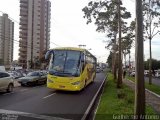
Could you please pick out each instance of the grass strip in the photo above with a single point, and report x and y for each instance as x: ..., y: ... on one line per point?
x: 117, y: 102
x: 154, y: 88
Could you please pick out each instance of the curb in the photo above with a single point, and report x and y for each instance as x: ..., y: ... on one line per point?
x: 98, y: 102
x: 93, y: 101
x: 153, y: 93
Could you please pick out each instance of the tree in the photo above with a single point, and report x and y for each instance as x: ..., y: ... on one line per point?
x: 139, y: 79
x: 109, y: 60
x: 106, y: 18
x: 155, y: 64
x: 151, y: 13
x: 127, y: 40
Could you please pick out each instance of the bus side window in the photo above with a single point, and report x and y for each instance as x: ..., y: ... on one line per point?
x: 82, y: 61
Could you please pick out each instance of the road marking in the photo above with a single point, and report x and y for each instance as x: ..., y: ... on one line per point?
x: 23, y: 90
x: 8, y: 93
x: 49, y: 95
x: 15, y: 114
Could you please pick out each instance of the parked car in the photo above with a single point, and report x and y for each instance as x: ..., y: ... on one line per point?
x: 98, y: 70
x: 157, y: 74
x: 132, y: 73
x: 146, y: 73
x: 33, y: 78
x: 6, y: 82
x: 15, y: 74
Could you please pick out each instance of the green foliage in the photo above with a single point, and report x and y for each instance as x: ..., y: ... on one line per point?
x: 106, y: 17
x: 109, y: 60
x: 111, y: 105
x: 155, y: 64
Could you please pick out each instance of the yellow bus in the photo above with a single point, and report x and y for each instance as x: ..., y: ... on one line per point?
x: 70, y: 68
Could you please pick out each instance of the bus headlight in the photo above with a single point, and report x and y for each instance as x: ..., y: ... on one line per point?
x: 76, y: 83
x: 50, y: 81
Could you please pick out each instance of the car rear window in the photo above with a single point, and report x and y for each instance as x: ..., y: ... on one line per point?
x: 2, y: 75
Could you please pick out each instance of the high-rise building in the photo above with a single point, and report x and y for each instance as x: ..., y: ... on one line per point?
x: 6, y: 40
x: 34, y: 30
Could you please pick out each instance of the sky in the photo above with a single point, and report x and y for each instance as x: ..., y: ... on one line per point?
x: 69, y: 28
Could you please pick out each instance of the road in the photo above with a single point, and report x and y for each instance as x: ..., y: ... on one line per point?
x: 155, y: 80
x: 41, y: 103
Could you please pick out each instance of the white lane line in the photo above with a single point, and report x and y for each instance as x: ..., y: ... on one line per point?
x: 8, y: 93
x: 49, y: 95
x: 23, y: 90
x: 16, y: 114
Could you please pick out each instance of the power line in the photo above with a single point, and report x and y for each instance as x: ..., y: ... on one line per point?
x: 28, y: 29
x: 14, y: 40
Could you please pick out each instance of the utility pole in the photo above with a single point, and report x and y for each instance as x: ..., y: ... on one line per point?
x: 119, y: 82
x: 139, y: 68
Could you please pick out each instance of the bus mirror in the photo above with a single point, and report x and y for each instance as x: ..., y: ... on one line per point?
x: 48, y: 54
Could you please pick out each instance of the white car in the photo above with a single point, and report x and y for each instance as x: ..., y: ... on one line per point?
x: 157, y: 74
x: 132, y: 74
x: 6, y: 82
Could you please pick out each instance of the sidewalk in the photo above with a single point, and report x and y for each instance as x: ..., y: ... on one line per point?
x: 151, y: 98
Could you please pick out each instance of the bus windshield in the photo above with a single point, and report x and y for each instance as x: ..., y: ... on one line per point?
x: 65, y: 63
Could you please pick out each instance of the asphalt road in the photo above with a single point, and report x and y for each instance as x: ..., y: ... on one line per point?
x: 41, y: 103
x: 155, y: 80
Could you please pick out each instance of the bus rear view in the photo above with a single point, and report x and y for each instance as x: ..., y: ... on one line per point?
x: 68, y: 70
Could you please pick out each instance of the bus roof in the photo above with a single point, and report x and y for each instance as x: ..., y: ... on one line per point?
x: 69, y: 48
x: 73, y: 48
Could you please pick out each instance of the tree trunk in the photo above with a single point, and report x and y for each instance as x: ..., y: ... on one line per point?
x: 115, y: 58
x: 125, y: 60
x: 150, y: 62
x: 139, y: 88
x: 129, y: 62
x: 119, y: 82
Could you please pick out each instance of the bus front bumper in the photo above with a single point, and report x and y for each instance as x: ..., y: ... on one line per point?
x: 64, y: 86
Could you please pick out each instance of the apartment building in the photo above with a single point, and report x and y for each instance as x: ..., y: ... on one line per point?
x: 6, y: 40
x: 34, y: 34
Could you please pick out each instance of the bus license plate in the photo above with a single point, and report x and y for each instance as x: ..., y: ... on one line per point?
x: 61, y: 86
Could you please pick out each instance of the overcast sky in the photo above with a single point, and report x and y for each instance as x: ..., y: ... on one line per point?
x: 69, y: 28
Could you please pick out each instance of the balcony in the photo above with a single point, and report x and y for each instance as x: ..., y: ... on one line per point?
x: 24, y: 9
x: 23, y: 36
x: 23, y: 32
x: 23, y: 18
x: 23, y: 1
x: 22, y: 60
x: 23, y: 12
x: 23, y: 54
x: 22, y: 45
x: 23, y: 50
x: 23, y: 5
x: 23, y: 42
x: 23, y: 23
x: 23, y: 27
